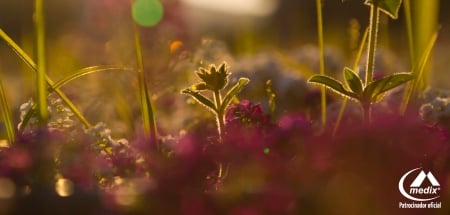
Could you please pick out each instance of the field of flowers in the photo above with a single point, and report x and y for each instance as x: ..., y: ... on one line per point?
x: 178, y: 107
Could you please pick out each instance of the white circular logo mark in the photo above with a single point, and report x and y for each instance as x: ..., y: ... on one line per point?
x: 415, y: 187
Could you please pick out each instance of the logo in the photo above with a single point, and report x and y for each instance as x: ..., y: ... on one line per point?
x: 423, y: 188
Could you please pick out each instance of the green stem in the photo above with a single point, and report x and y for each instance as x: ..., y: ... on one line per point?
x: 367, y: 109
x: 409, y: 28
x: 323, y: 98
x: 41, y: 64
x: 148, y: 117
x: 219, y: 115
x: 374, y: 21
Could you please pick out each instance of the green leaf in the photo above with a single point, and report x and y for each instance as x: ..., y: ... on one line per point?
x: 333, y: 85
x: 200, y: 99
x: 233, y: 92
x: 147, y: 113
x: 378, y: 87
x: 389, y: 7
x: 85, y: 71
x: 27, y: 118
x: 353, y: 81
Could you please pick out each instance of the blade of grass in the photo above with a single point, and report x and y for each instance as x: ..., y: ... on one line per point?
x: 424, y: 60
x: 409, y: 29
x: 41, y: 64
x: 425, y: 15
x: 32, y: 65
x: 27, y: 118
x: 355, y: 68
x: 86, y: 71
x: 7, y: 118
x: 148, y: 117
x: 323, y: 96
x: 418, y: 72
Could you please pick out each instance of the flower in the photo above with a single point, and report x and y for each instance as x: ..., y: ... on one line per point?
x: 213, y: 78
x: 246, y: 114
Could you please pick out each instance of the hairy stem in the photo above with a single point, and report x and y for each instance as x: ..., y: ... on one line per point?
x: 367, y: 109
x: 219, y: 114
x: 374, y: 21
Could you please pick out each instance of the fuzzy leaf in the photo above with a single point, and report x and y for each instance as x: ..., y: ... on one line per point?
x: 353, y: 81
x: 389, y: 7
x: 233, y: 92
x: 200, y: 99
x: 378, y: 87
x: 333, y: 85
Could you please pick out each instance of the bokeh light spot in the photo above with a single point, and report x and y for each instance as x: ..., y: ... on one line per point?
x: 7, y: 188
x: 147, y: 12
x: 175, y: 46
x: 126, y: 195
x: 266, y: 151
x: 64, y: 187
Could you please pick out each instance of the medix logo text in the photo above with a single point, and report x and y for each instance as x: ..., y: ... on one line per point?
x: 416, y: 191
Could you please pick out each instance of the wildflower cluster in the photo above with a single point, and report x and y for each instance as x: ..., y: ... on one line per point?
x: 437, y: 109
x: 61, y: 117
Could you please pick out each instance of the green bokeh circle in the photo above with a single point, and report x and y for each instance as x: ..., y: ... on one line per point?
x: 147, y: 12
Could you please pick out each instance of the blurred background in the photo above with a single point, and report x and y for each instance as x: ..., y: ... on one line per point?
x: 82, y: 33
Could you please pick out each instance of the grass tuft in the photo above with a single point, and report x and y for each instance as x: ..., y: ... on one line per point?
x: 32, y: 65
x: 6, y: 115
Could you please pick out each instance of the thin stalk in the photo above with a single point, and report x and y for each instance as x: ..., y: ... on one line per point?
x: 7, y: 118
x: 374, y: 23
x: 424, y: 61
x: 32, y: 65
x: 219, y: 115
x: 340, y: 115
x: 412, y: 55
x: 409, y: 29
x: 41, y: 64
x: 148, y: 117
x: 367, y: 109
x: 418, y: 71
x: 220, y: 126
x: 323, y: 97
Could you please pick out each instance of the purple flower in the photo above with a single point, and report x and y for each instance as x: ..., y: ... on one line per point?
x: 246, y: 114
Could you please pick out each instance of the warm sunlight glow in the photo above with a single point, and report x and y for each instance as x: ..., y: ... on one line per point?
x: 237, y: 7
x: 7, y: 188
